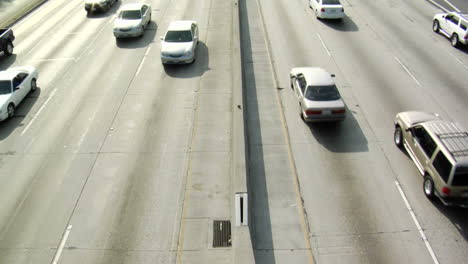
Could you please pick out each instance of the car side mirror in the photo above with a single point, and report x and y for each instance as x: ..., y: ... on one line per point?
x: 332, y: 75
x: 16, y: 88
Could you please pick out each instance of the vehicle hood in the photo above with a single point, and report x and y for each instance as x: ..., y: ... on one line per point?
x: 414, y: 117
x: 324, y: 104
x: 127, y: 23
x: 175, y: 48
x: 4, y: 98
x: 439, y: 15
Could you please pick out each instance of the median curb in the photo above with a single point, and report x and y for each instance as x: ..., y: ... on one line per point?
x: 9, y: 20
x: 242, y: 242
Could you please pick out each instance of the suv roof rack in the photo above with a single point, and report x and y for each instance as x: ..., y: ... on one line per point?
x: 452, y: 136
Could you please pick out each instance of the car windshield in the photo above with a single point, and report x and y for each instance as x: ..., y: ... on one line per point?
x: 130, y: 14
x: 322, y: 93
x: 178, y: 36
x: 331, y: 2
x: 5, y: 87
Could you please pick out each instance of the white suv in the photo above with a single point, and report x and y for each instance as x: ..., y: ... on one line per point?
x: 454, y: 25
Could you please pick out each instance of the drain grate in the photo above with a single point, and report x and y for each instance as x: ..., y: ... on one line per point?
x: 221, y: 233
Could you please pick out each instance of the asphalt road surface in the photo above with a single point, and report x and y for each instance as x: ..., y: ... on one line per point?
x: 357, y: 191
x: 115, y: 158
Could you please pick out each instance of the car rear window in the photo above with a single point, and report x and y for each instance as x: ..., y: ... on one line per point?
x: 130, y: 14
x: 461, y: 177
x: 178, y: 36
x: 331, y: 2
x: 5, y: 87
x: 442, y: 165
x: 463, y: 26
x: 322, y: 93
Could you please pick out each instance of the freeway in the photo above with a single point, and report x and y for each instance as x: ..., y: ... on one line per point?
x: 343, y: 193
x: 115, y: 158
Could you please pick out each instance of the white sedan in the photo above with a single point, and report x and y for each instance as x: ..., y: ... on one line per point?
x: 319, y: 99
x: 132, y: 20
x: 180, y: 42
x: 328, y: 9
x: 15, y: 84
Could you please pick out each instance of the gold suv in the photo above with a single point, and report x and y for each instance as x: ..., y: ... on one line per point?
x: 439, y: 148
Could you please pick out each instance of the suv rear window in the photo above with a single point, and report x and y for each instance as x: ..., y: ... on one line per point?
x: 461, y: 177
x: 463, y: 26
x: 442, y: 165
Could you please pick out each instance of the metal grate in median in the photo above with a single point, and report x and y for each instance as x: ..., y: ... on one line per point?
x: 221, y: 233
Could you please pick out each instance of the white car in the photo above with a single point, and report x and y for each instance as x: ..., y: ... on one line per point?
x: 319, y: 99
x: 132, y: 20
x: 180, y: 42
x: 15, y: 84
x: 453, y: 25
x: 328, y: 9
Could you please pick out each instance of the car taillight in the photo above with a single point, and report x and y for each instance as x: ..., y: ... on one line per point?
x: 466, y: 37
x: 338, y: 111
x: 446, y: 190
x: 323, y: 9
x: 313, y: 112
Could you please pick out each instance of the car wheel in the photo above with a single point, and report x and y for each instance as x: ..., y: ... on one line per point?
x: 398, y: 137
x: 33, y: 85
x: 428, y: 187
x: 454, y: 40
x: 11, y: 110
x: 291, y: 82
x: 435, y: 26
x: 9, y: 48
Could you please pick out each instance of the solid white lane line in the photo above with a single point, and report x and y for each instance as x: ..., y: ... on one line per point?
x: 142, y: 61
x: 439, y: 6
x: 62, y: 245
x: 38, y: 112
x: 323, y: 44
x: 416, y: 222
x: 452, y: 5
x: 408, y: 71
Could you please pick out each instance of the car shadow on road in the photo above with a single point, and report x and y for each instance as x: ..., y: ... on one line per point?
x: 196, y: 68
x: 107, y: 13
x: 456, y: 215
x: 139, y: 42
x: 340, y: 137
x: 9, y: 125
x: 345, y: 24
x: 7, y: 61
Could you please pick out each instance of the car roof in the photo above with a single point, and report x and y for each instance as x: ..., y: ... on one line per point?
x: 453, y: 137
x: 132, y: 6
x: 181, y: 25
x: 8, y: 74
x: 316, y: 76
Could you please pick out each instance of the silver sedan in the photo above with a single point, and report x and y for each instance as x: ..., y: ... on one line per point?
x: 319, y: 98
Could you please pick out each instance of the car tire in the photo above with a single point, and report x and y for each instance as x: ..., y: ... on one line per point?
x: 291, y: 82
x: 428, y: 187
x: 398, y: 137
x: 33, y: 85
x: 11, y: 110
x: 454, y: 40
x: 9, y: 48
x: 436, y: 26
